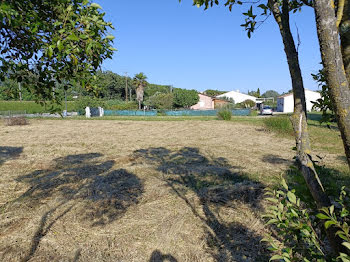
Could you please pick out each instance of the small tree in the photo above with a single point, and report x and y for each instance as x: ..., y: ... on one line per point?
x: 140, y: 83
x: 56, y: 41
x: 161, y: 101
x: 248, y: 103
x: 185, y: 98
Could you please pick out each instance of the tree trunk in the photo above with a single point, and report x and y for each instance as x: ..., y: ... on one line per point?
x: 298, y: 119
x: 344, y: 31
x: 334, y: 67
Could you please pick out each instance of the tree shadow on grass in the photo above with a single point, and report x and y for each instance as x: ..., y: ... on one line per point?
x: 217, y: 185
x: 8, y: 152
x: 158, y: 256
x: 102, y: 194
x: 275, y: 159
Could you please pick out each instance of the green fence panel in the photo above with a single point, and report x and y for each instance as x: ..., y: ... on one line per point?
x: 235, y: 112
x: 130, y: 113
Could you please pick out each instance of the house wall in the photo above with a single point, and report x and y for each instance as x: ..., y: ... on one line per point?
x: 238, y: 97
x: 311, y: 97
x: 286, y: 104
x: 205, y: 103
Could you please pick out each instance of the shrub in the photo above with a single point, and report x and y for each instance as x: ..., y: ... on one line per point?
x: 184, y: 98
x: 87, y: 101
x: 161, y: 101
x: 279, y: 124
x: 300, y: 230
x: 253, y: 113
x: 16, y: 121
x: 248, y: 103
x: 121, y: 105
x: 224, y: 114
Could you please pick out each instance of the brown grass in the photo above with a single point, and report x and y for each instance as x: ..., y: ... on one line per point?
x: 136, y: 191
x: 16, y: 121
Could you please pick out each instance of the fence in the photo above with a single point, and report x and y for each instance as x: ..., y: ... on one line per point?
x: 130, y: 113
x: 11, y: 113
x: 235, y: 112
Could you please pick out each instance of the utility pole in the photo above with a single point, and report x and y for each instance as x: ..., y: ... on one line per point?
x: 126, y: 86
x: 20, y: 91
x: 65, y: 101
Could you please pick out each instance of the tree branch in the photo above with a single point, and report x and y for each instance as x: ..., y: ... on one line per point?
x: 340, y: 12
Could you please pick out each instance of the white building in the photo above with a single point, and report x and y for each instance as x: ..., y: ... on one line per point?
x: 237, y: 96
x: 285, y: 103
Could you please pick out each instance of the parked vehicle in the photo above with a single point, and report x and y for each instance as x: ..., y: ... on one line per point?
x: 266, y: 110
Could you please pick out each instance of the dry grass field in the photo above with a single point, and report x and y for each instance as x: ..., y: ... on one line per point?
x: 76, y: 190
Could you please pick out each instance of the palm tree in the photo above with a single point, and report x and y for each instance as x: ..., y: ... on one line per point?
x: 140, y: 83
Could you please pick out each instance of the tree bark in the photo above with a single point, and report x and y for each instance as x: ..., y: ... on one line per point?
x: 298, y: 119
x: 344, y: 31
x: 334, y: 67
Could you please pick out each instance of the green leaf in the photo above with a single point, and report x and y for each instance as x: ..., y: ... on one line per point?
x: 73, y: 37
x: 59, y: 45
x: 291, y: 197
x: 111, y: 37
x: 284, y: 184
x: 96, y: 6
x: 346, y: 244
x: 322, y: 216
x: 50, y: 52
x: 328, y: 223
x: 276, y: 257
x: 274, y: 200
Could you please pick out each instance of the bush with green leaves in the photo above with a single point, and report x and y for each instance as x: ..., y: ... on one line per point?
x: 161, y: 101
x: 324, y: 104
x: 279, y: 124
x: 87, y: 101
x: 120, y: 105
x: 299, y: 229
x: 224, y: 114
x: 184, y: 98
x: 248, y: 103
x: 339, y: 218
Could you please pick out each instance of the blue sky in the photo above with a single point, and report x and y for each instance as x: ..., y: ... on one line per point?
x: 181, y: 45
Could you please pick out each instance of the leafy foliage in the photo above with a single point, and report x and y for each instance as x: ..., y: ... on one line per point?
x: 152, y: 89
x: 224, y: 114
x: 324, y: 103
x: 253, y: 20
x: 247, y: 104
x: 120, y: 105
x: 87, y: 101
x: 270, y: 93
x: 161, y: 101
x: 255, y: 93
x: 296, y: 226
x: 279, y: 124
x: 184, y: 98
x: 48, y: 42
x: 300, y: 228
x: 140, y: 83
x: 213, y: 93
